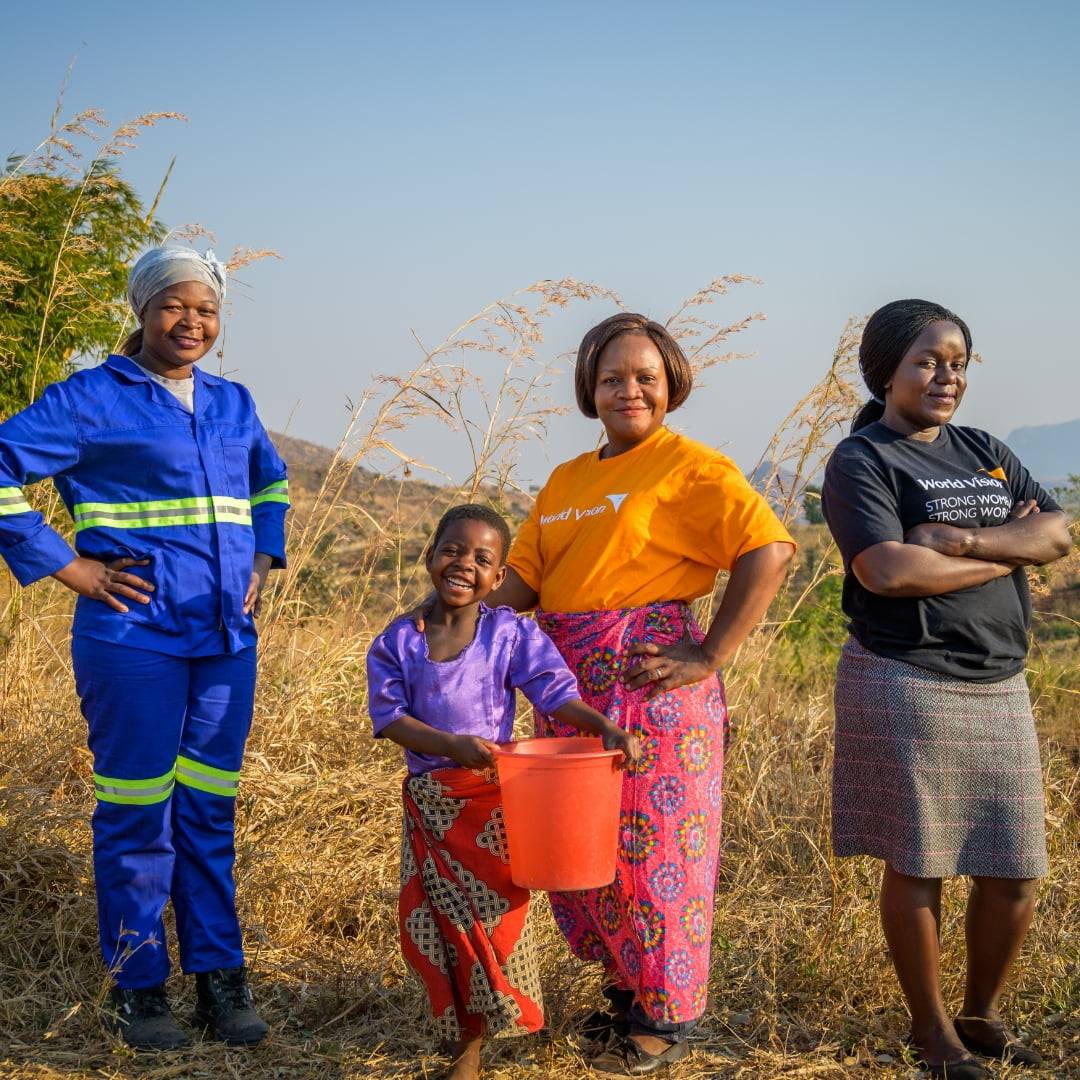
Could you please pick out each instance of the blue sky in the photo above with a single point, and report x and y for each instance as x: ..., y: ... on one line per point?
x: 414, y: 161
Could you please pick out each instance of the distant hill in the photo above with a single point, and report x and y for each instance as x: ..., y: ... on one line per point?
x: 1050, y: 451
x: 389, y: 516
x: 385, y: 497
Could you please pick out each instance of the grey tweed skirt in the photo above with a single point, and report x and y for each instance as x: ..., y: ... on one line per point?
x: 935, y: 775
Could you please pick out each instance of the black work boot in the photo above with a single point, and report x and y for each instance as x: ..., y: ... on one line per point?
x: 144, y: 1021
x: 226, y: 1008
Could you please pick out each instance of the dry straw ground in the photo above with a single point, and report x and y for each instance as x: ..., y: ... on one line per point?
x: 801, y: 983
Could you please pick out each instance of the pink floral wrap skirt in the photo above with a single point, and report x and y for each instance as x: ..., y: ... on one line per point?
x: 651, y: 928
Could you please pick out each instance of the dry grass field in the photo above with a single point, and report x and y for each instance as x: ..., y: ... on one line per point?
x: 801, y: 983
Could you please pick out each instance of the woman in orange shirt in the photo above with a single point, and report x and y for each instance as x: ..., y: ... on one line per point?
x: 618, y: 543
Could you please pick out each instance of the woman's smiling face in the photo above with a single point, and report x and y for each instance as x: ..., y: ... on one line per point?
x: 631, y: 393
x: 180, y: 325
x: 928, y: 384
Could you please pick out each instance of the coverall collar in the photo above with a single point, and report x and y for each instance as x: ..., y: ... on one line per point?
x: 128, y: 369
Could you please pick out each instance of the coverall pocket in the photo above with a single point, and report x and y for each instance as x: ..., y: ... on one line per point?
x: 160, y: 613
x: 237, y: 457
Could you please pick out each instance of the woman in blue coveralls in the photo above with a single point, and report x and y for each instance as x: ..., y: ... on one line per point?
x: 179, y: 500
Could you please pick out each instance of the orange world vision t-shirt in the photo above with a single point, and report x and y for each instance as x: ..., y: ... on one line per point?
x: 654, y: 523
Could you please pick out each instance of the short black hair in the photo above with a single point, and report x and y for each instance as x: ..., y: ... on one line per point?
x: 680, y: 375
x: 474, y: 512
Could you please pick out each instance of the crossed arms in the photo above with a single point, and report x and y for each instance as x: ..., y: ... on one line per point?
x: 936, y: 559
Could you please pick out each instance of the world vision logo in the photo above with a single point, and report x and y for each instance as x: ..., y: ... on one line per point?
x: 572, y: 513
x: 997, y: 472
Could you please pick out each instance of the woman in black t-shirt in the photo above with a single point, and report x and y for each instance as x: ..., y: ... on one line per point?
x: 937, y: 768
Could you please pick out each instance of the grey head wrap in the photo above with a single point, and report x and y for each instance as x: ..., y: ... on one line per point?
x: 161, y: 267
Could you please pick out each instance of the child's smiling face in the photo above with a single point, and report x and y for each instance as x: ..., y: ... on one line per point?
x: 467, y: 563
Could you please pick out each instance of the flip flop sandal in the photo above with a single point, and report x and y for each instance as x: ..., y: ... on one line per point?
x: 965, y: 1068
x: 1001, y: 1045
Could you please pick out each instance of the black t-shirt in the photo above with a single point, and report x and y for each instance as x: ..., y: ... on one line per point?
x: 878, y: 484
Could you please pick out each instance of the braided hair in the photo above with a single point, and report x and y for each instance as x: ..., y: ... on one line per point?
x: 889, y: 333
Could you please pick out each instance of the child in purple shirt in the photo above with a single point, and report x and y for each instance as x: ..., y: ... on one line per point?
x: 446, y: 694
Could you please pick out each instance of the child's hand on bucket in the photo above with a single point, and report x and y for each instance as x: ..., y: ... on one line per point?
x: 587, y: 720
x: 617, y: 739
x: 472, y: 752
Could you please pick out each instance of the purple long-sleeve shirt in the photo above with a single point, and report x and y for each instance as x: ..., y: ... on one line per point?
x: 472, y: 694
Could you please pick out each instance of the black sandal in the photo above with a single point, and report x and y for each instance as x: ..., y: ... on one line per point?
x: 1002, y: 1045
x: 965, y: 1068
x: 625, y: 1057
x: 961, y: 1069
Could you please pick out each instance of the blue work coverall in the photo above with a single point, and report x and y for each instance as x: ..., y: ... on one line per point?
x: 167, y: 689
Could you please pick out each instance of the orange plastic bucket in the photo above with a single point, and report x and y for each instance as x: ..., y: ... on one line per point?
x: 561, y: 805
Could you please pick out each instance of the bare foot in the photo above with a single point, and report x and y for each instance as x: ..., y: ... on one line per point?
x: 465, y: 1060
